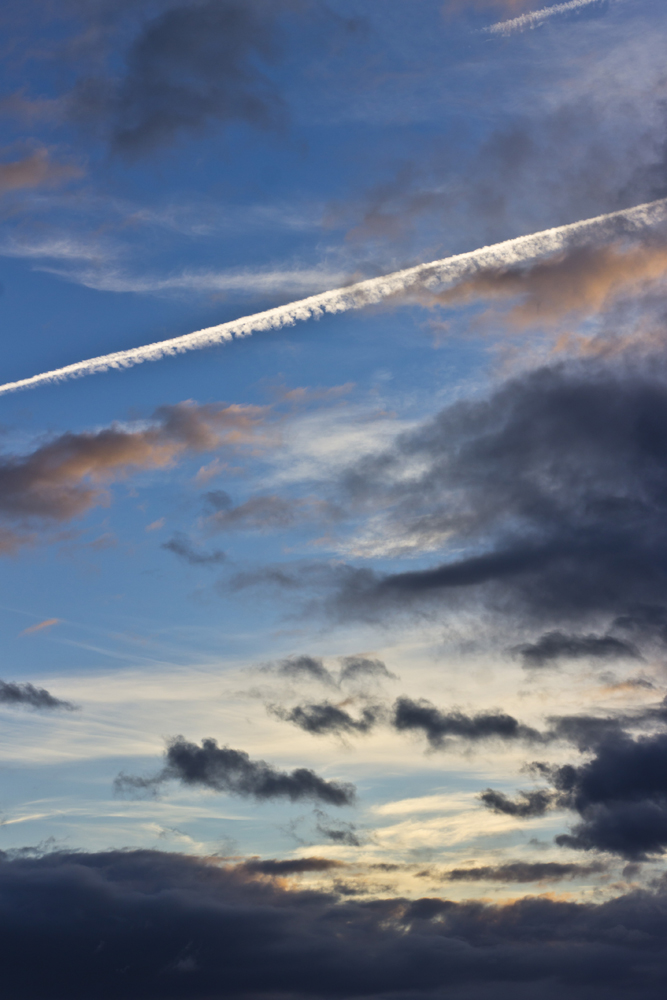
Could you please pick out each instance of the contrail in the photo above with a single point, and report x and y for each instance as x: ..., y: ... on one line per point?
x: 536, y: 17
x: 373, y: 290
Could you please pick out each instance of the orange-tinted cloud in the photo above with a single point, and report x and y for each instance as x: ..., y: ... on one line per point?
x: 66, y: 476
x: 36, y: 170
x: 47, y: 623
x: 575, y: 283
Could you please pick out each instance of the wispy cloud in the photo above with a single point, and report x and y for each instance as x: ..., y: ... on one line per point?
x: 536, y: 17
x: 47, y: 623
x: 371, y: 291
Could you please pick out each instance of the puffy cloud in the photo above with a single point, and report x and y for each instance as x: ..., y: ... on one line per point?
x: 223, y: 769
x: 437, y: 726
x: 324, y: 718
x: 142, y: 924
x: 28, y: 696
x: 621, y: 795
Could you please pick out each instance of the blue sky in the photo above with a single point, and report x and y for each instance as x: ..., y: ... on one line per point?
x: 416, y: 548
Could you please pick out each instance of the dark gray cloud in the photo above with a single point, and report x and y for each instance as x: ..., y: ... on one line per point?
x: 304, y: 667
x: 621, y: 796
x: 143, y: 925
x: 192, y: 65
x: 524, y: 871
x: 325, y: 718
x: 26, y: 695
x: 528, y: 805
x: 182, y: 547
x: 556, y: 485
x: 645, y: 619
x: 293, y: 866
x: 354, y: 668
x: 223, y: 769
x: 438, y: 727
x: 587, y: 731
x: 554, y: 646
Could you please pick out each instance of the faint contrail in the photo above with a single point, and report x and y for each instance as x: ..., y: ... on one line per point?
x: 536, y: 17
x: 363, y: 293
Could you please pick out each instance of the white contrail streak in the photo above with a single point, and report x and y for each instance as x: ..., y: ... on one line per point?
x: 536, y: 17
x: 373, y: 290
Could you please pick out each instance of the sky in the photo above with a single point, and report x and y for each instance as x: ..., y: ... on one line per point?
x: 335, y: 636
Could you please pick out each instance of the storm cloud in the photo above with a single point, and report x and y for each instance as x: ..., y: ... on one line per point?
x: 621, y: 796
x: 553, y: 489
x: 143, y: 925
x: 222, y: 769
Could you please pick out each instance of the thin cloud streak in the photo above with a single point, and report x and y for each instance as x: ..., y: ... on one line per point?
x: 368, y: 292
x: 536, y: 17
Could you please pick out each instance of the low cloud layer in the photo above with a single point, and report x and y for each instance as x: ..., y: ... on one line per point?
x: 524, y: 871
x: 222, y: 769
x: 145, y: 925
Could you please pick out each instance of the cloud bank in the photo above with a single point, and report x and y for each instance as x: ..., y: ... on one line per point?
x: 144, y: 925
x: 222, y: 769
